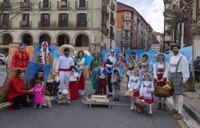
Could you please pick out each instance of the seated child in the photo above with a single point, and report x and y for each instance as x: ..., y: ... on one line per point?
x: 134, y: 84
x: 64, y: 97
x: 146, y: 90
x: 116, y: 80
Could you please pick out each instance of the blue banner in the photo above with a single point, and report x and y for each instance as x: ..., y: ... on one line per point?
x: 138, y: 53
x: 33, y: 68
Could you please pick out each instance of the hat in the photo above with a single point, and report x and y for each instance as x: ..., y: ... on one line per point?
x: 44, y: 44
x: 112, y: 50
x: 174, y: 45
x: 146, y: 74
x: 22, y: 45
x: 65, y: 92
x: 160, y: 54
x: 103, y: 63
x: 63, y: 47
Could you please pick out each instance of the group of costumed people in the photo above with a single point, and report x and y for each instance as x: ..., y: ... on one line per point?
x: 142, y: 82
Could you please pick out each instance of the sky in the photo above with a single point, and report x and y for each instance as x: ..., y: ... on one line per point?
x: 151, y: 10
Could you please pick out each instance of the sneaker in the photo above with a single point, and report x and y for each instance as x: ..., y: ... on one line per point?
x: 178, y: 116
x: 150, y: 112
x: 173, y: 111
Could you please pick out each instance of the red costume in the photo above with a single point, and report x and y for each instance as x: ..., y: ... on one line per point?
x: 20, y: 60
x: 73, y: 90
x: 16, y: 89
x: 81, y: 82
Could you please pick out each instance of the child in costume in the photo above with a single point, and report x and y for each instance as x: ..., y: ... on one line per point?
x: 73, y: 85
x: 146, y: 90
x: 116, y: 80
x: 38, y: 97
x: 64, y: 97
x: 47, y: 99
x: 102, y: 71
x: 134, y: 84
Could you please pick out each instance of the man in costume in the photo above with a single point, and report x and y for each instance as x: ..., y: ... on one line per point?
x: 63, y: 65
x: 177, y: 73
x: 21, y: 57
x: 44, y: 56
x: 110, y: 63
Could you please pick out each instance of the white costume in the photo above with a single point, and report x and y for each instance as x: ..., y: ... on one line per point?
x: 63, y: 65
x: 177, y: 70
x: 80, y: 64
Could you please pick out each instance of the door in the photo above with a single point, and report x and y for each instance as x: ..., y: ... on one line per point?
x: 45, y: 20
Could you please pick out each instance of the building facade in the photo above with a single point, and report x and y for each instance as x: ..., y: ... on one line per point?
x: 80, y: 23
x: 132, y: 31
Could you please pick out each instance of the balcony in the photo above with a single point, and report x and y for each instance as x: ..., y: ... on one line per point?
x: 81, y: 6
x: 62, y: 5
x: 25, y: 24
x: 5, y: 6
x: 5, y: 25
x: 25, y: 6
x: 126, y: 18
x: 112, y: 35
x: 112, y: 6
x: 62, y: 24
x: 43, y: 24
x: 112, y: 21
x: 44, y: 6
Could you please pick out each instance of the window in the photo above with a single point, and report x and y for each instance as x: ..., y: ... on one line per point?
x: 82, y: 3
x: 127, y: 25
x: 63, y: 19
x: 127, y: 15
x: 82, y: 20
x: 126, y: 33
x: 45, y: 19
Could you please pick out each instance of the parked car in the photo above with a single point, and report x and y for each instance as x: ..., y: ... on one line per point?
x: 2, y: 59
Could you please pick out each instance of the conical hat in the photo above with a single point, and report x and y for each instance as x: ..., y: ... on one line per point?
x: 71, y: 49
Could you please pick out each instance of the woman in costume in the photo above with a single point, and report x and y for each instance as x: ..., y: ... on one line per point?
x: 17, y: 93
x: 93, y: 74
x: 79, y: 63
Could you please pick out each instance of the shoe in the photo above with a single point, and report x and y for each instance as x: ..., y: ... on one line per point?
x: 164, y: 107
x: 17, y: 107
x: 159, y: 106
x: 150, y: 112
x: 40, y: 106
x: 173, y: 111
x: 178, y: 116
x: 35, y: 106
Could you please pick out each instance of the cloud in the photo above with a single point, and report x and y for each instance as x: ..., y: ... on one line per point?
x: 151, y: 10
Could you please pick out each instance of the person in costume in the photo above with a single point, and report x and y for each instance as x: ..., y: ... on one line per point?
x: 143, y: 64
x: 146, y: 90
x: 39, y: 76
x: 134, y: 84
x: 102, y: 71
x: 110, y: 64
x: 38, y: 96
x: 17, y: 94
x: 73, y: 85
x: 44, y: 56
x: 158, y: 71
x: 132, y: 61
x: 177, y: 73
x: 93, y: 74
x: 120, y: 62
x: 116, y: 81
x: 21, y: 57
x: 79, y: 63
x: 63, y: 65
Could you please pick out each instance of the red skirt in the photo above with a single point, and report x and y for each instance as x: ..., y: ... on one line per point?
x: 149, y: 100
x: 136, y: 94
x: 73, y: 90
x: 81, y: 82
x: 161, y: 83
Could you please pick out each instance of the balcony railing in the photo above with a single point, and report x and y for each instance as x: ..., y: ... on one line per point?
x: 5, y: 25
x: 5, y: 6
x: 25, y: 6
x: 62, y: 24
x: 112, y: 6
x: 25, y: 24
x: 81, y: 6
x: 45, y: 6
x: 112, y: 21
x: 46, y: 24
x: 62, y: 5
